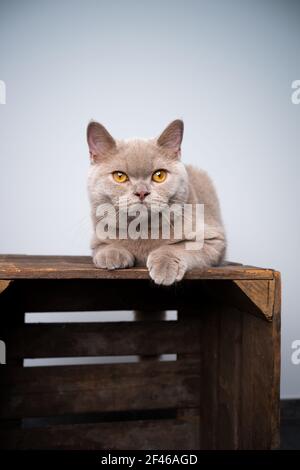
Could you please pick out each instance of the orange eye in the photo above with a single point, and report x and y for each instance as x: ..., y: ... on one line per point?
x: 159, y: 176
x: 120, y: 177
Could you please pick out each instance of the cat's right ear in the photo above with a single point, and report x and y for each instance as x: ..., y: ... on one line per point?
x: 100, y: 141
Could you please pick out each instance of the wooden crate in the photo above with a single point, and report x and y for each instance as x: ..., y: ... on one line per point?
x: 222, y: 392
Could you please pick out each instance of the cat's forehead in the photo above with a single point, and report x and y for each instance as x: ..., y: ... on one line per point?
x: 139, y: 157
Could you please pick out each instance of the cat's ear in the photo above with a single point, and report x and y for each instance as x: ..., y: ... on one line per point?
x: 171, y: 137
x: 99, y: 140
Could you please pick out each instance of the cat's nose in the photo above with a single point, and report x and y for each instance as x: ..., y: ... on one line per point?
x: 142, y: 194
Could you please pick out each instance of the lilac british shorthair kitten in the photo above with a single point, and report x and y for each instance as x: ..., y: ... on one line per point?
x: 150, y: 173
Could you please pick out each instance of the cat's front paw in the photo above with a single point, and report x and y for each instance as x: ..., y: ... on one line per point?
x: 113, y: 258
x: 166, y: 267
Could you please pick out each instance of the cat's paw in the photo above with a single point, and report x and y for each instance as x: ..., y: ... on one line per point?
x: 113, y: 258
x: 166, y: 267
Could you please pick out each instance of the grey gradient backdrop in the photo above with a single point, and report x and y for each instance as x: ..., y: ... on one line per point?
x: 225, y: 67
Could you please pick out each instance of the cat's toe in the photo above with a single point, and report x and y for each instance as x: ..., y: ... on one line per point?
x: 113, y: 258
x: 165, y: 271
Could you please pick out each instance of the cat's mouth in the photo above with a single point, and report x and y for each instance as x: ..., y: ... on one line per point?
x: 144, y: 205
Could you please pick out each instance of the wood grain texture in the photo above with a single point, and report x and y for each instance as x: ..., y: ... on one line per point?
x: 208, y: 339
x: 260, y: 380
x: 224, y: 387
x: 261, y: 293
x: 4, y: 285
x: 101, y: 339
x: 51, y: 391
x: 229, y: 379
x: 81, y: 267
x: 239, y: 372
x: 171, y: 434
x: 276, y: 353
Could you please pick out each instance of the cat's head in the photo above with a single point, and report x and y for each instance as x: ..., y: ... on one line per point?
x: 136, y: 171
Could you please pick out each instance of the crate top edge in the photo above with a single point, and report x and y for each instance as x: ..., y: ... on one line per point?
x: 81, y: 267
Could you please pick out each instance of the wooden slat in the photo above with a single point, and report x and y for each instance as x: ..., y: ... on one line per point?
x: 48, y: 391
x: 276, y: 353
x: 101, y: 339
x: 171, y: 434
x: 207, y: 315
x: 209, y: 373
x: 229, y: 379
x: 80, y: 267
x: 260, y: 380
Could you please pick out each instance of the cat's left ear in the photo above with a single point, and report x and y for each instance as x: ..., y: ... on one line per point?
x: 171, y: 138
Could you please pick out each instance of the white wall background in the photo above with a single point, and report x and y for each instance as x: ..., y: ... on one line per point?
x: 225, y: 67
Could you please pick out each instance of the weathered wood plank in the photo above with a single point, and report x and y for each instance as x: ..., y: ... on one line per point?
x: 229, y: 379
x: 171, y: 434
x: 80, y: 267
x: 207, y: 316
x: 260, y: 380
x: 276, y: 353
x: 101, y: 339
x: 48, y: 391
x: 209, y: 374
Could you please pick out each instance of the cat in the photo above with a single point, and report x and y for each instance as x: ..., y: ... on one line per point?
x: 151, y: 173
